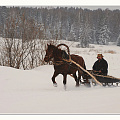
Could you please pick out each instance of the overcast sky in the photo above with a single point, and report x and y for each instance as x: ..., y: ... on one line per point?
x: 102, y: 7
x: 90, y: 4
x: 84, y: 7
x: 92, y: 7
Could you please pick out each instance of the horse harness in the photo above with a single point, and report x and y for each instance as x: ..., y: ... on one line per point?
x: 64, y: 56
x: 65, y: 60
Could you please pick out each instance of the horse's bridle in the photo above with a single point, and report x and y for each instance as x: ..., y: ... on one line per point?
x: 49, y: 56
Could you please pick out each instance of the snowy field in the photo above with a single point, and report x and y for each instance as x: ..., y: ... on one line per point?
x: 32, y: 92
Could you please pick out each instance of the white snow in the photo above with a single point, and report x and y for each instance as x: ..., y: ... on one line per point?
x: 32, y: 92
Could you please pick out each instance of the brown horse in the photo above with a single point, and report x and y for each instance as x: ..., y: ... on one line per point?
x: 62, y: 67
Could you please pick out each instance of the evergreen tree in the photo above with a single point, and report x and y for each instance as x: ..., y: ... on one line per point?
x: 85, y: 35
x: 103, y: 35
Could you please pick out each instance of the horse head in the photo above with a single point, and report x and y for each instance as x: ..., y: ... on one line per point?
x: 54, y: 52
x: 49, y: 52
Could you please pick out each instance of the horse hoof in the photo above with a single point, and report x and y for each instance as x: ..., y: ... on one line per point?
x: 55, y: 84
x: 77, y: 85
x: 65, y: 87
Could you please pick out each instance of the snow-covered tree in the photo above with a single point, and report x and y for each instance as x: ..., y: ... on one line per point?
x: 103, y: 35
x: 118, y: 40
x: 85, y: 35
x: 72, y: 34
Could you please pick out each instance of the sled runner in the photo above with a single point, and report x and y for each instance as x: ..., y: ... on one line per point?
x: 107, y: 80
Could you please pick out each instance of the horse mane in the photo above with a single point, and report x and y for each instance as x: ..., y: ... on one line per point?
x: 55, y: 47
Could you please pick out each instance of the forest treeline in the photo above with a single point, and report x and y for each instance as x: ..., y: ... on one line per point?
x: 69, y: 23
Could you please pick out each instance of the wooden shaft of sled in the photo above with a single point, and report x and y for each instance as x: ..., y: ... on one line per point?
x: 84, y: 70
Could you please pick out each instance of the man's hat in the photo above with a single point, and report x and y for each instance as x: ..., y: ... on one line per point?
x: 100, y: 55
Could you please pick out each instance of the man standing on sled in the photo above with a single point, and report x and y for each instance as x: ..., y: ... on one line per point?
x: 100, y: 67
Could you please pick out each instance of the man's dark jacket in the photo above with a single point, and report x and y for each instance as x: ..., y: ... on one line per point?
x: 101, y: 65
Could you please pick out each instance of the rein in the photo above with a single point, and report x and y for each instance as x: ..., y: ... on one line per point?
x: 70, y: 60
x: 57, y: 63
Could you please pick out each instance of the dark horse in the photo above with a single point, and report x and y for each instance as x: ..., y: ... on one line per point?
x: 62, y: 67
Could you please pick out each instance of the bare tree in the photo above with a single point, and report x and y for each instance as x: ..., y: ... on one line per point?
x: 26, y: 52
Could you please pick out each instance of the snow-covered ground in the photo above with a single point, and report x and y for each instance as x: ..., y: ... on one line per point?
x: 31, y: 91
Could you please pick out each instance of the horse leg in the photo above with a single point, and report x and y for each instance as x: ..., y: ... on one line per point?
x: 53, y: 78
x: 79, y: 76
x: 64, y: 80
x: 77, y: 80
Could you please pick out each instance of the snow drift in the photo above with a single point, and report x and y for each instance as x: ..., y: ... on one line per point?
x: 32, y: 92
